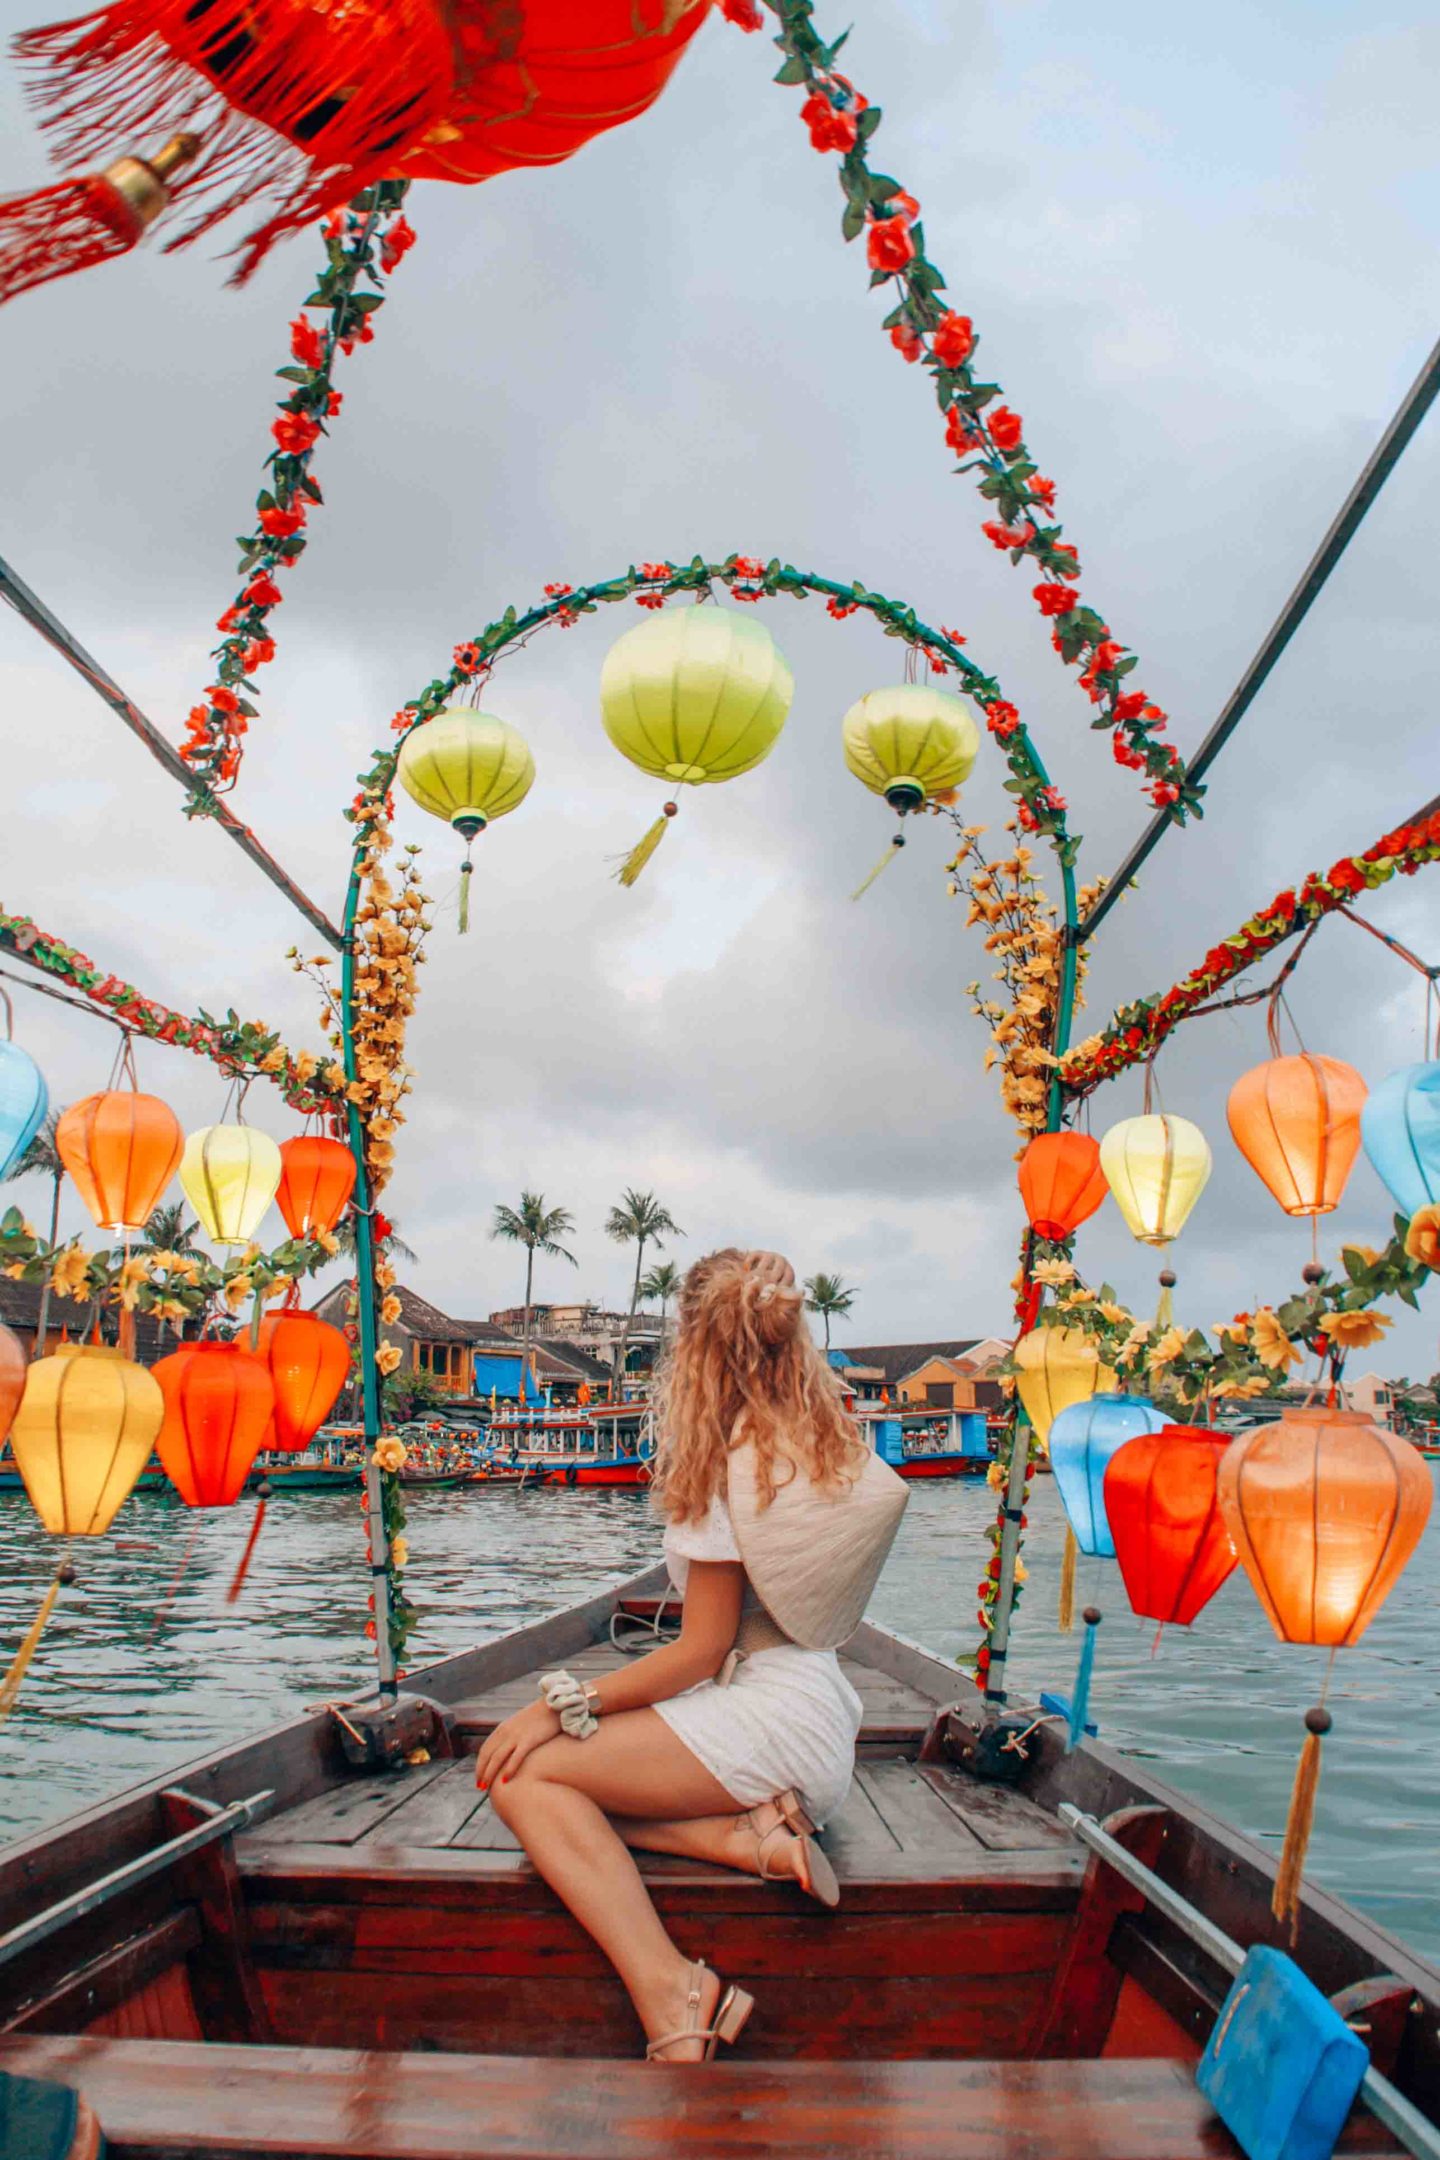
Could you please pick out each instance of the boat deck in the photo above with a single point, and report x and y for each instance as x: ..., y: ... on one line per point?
x: 374, y: 1970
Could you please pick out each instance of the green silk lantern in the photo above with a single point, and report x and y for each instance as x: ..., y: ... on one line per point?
x: 695, y: 695
x: 912, y: 745
x: 468, y: 768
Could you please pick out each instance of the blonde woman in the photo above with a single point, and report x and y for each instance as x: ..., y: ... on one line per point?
x: 733, y: 1743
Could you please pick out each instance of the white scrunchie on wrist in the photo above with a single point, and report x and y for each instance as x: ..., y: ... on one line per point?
x: 568, y: 1697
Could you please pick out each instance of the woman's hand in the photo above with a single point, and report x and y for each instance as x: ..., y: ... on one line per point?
x: 513, y: 1739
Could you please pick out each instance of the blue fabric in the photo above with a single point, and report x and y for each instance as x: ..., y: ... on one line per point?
x: 1400, y: 1126
x: 1282, y: 2068
x: 1082, y: 1441
x: 23, y: 1103
x: 38, y: 2120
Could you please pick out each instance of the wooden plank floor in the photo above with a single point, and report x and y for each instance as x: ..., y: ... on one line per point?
x: 902, y: 1820
x: 893, y: 1710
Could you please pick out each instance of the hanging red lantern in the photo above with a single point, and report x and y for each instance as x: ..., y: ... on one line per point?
x: 1296, y: 1120
x: 1170, y: 1536
x: 316, y: 1181
x: 13, y: 1367
x: 219, y: 1401
x: 308, y: 1362
x: 1061, y: 1182
x: 302, y: 105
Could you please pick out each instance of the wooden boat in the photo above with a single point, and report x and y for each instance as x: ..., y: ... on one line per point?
x: 324, y: 1942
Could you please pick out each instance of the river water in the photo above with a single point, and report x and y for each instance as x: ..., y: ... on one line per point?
x: 145, y: 1664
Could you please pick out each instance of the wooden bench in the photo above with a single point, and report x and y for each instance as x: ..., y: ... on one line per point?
x: 157, y: 2098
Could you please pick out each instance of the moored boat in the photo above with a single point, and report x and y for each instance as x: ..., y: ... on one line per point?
x: 323, y: 1940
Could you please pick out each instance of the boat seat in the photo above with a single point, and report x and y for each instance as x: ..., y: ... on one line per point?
x: 162, y: 2097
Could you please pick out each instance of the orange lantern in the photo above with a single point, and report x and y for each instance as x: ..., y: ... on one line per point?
x: 13, y: 1367
x: 1170, y: 1537
x: 122, y: 1148
x: 316, y: 1181
x: 1061, y: 1182
x: 219, y: 1401
x: 308, y: 1362
x: 1296, y: 1120
x: 1325, y: 1509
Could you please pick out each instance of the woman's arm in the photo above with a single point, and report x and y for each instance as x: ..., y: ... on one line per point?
x: 714, y: 1590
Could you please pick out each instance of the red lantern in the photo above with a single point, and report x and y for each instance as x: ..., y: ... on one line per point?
x: 1170, y: 1536
x: 308, y: 1362
x: 315, y: 1184
x: 13, y: 1367
x: 304, y: 104
x: 1325, y: 1509
x: 218, y: 1404
x: 1061, y: 1182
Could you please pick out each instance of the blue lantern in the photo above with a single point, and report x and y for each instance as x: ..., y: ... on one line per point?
x: 1082, y: 1441
x: 24, y: 1098
x: 1400, y: 1126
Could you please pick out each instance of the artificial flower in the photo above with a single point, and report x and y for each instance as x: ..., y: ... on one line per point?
x: 1355, y: 1330
x: 390, y: 1454
x: 1422, y: 1237
x: 1270, y: 1342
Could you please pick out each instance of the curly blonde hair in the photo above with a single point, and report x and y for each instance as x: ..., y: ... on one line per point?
x: 743, y: 1367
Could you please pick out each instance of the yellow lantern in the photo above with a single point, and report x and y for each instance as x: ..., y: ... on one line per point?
x: 695, y: 695
x: 909, y: 744
x: 1057, y: 1366
x: 468, y: 768
x: 229, y: 1174
x: 1157, y: 1166
x: 82, y: 1435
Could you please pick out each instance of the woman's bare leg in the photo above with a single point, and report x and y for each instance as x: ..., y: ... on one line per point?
x: 731, y: 1841
x: 557, y: 1804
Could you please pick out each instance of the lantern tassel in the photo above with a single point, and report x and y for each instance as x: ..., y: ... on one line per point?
x: 250, y: 1543
x: 886, y: 859
x: 640, y: 854
x: 59, y: 230
x: 20, y: 1664
x: 1080, y: 1700
x: 125, y: 1335
x: 1067, y: 1582
x: 1165, y: 1310
x: 1285, y: 1899
x: 466, y: 869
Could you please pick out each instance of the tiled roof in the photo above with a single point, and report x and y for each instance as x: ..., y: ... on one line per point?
x: 898, y: 1360
x: 20, y: 1310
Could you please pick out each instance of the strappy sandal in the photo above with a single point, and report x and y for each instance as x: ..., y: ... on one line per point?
x: 731, y: 2013
x: 817, y: 1876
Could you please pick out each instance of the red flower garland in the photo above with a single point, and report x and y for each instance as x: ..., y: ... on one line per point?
x: 370, y: 237
x: 990, y: 436
x: 1137, y: 1030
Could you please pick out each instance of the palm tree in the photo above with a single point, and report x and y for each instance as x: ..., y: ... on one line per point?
x: 639, y: 1220
x: 662, y: 1282
x: 391, y: 1246
x: 167, y: 1231
x: 538, y: 1229
x: 827, y: 1295
x: 42, y: 1159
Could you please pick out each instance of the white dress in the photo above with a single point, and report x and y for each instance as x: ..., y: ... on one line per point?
x: 788, y: 1717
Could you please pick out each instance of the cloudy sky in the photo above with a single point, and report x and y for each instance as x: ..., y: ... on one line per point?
x: 1198, y: 247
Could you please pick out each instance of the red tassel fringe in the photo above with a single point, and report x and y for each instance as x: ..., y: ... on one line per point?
x: 60, y: 230
x: 248, y: 1555
x: 296, y: 105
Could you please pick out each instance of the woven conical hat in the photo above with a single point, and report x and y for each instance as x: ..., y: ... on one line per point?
x: 814, y: 1556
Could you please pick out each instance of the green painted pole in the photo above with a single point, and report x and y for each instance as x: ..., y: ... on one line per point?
x: 366, y: 1307
x: 1019, y: 1467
